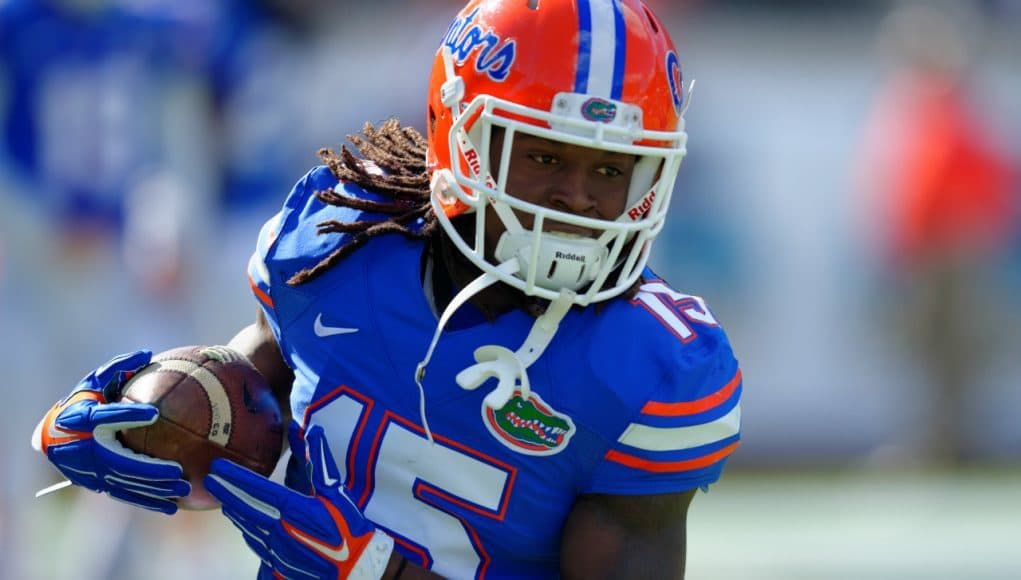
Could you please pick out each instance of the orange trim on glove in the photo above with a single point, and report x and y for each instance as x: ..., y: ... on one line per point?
x: 54, y: 435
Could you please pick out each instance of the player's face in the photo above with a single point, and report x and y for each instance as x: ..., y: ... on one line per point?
x: 568, y: 178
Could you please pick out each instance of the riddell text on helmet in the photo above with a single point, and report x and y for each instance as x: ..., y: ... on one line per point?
x: 472, y: 157
x: 643, y: 206
x: 569, y: 256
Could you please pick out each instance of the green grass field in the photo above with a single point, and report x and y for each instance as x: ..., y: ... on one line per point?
x: 780, y: 525
x: 858, y: 524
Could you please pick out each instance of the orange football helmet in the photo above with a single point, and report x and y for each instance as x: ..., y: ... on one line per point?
x: 602, y: 74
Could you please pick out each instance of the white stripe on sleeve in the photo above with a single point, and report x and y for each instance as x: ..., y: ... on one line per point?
x: 679, y: 438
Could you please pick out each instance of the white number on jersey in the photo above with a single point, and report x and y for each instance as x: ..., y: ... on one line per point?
x: 411, y: 479
x: 675, y: 310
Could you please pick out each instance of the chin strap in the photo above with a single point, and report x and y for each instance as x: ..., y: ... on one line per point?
x: 508, y: 367
x: 477, y: 285
x: 492, y: 360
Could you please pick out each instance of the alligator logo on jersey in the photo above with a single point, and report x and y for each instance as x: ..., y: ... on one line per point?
x: 496, y: 55
x: 599, y: 110
x: 529, y: 426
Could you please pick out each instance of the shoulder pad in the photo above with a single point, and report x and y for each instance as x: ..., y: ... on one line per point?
x: 686, y: 422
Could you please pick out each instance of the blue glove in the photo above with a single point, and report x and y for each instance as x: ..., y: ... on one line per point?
x: 79, y: 436
x: 323, y: 535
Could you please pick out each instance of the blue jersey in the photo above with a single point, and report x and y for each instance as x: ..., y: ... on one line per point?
x: 638, y: 396
x: 91, y: 95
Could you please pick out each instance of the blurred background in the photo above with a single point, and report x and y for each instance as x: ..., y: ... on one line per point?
x: 849, y: 207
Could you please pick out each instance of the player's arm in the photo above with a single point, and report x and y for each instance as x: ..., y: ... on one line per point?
x: 256, y: 341
x: 634, y: 536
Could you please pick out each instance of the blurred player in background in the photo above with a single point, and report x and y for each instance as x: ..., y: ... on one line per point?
x: 483, y: 376
x: 943, y: 190
x: 106, y: 176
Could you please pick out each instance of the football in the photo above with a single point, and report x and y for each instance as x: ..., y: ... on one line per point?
x: 212, y: 403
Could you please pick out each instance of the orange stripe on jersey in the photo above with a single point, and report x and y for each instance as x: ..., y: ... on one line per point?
x: 259, y: 293
x: 697, y: 406
x: 670, y: 466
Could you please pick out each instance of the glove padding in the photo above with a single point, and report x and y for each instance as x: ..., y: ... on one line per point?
x: 323, y: 535
x: 79, y: 436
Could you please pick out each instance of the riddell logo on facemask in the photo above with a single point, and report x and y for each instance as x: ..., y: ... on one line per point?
x: 643, y: 206
x: 569, y: 256
x: 472, y: 157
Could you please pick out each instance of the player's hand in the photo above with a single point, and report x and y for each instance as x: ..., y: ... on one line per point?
x: 299, y: 536
x: 79, y: 436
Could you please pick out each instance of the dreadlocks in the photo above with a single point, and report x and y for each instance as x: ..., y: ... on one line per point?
x: 390, y: 162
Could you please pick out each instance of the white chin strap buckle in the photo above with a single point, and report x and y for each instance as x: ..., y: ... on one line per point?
x: 500, y: 362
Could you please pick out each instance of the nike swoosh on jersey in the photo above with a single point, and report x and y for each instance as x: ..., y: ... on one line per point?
x: 323, y: 331
x: 336, y: 554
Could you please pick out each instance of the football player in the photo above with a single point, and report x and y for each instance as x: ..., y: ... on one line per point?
x: 484, y: 378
